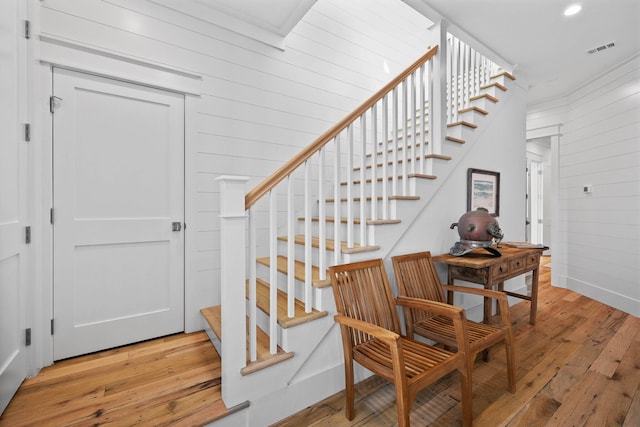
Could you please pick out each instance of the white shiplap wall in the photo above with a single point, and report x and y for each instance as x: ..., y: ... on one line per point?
x: 256, y: 105
x: 600, y: 146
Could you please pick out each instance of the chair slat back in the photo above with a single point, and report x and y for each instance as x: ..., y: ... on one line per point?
x: 362, y: 292
x: 417, y: 278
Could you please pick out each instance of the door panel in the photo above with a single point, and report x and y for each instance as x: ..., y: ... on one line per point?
x: 118, y: 186
x: 13, y: 212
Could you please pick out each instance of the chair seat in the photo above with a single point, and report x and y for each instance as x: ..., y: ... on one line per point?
x: 418, y: 357
x: 441, y: 329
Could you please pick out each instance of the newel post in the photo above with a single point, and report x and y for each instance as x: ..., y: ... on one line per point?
x: 233, y: 229
x: 440, y: 76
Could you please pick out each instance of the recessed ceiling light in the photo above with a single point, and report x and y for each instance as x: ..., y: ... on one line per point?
x: 572, y: 10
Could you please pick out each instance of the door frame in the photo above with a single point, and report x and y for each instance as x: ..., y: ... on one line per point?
x: 162, y: 317
x: 40, y: 308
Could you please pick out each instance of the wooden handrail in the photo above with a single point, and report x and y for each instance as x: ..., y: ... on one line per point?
x: 285, y: 170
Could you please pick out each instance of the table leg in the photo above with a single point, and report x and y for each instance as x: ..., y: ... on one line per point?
x: 487, y: 318
x: 534, y: 297
x: 501, y: 289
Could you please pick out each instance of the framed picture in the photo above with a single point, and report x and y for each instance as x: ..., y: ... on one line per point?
x: 483, y: 191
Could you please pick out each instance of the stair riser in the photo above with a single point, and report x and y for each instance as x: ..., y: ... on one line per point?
x: 461, y: 132
x: 263, y: 272
x: 356, y: 192
x: 356, y: 207
x: 483, y: 103
x: 262, y: 321
x: 493, y: 91
x: 299, y: 252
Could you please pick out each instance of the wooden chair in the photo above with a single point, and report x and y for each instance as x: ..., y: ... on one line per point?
x: 417, y: 278
x: 370, y: 328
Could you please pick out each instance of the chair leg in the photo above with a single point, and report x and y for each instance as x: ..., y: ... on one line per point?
x: 467, y: 397
x: 349, y: 389
x: 511, y: 362
x: 403, y: 405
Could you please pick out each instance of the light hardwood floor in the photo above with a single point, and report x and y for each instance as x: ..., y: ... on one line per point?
x: 578, y: 366
x: 172, y: 381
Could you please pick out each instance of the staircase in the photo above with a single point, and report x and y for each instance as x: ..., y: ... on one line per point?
x: 346, y: 197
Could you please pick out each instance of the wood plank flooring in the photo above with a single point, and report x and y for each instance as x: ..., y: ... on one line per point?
x: 578, y: 366
x: 168, y: 381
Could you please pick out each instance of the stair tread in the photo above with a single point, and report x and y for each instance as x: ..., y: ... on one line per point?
x: 476, y: 109
x: 495, y: 84
x: 411, y: 175
x: 390, y: 150
x: 379, y: 198
x: 300, y: 316
x: 484, y: 95
x: 453, y: 139
x: 298, y: 270
x: 330, y: 244
x: 343, y: 220
x: 462, y: 123
x: 264, y: 358
x: 505, y: 74
x: 390, y: 162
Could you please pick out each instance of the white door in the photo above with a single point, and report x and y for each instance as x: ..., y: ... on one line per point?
x: 13, y: 212
x: 118, y: 196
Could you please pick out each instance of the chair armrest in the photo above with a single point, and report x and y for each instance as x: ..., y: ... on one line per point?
x: 501, y: 297
x: 435, y: 307
x: 385, y: 335
x: 457, y: 314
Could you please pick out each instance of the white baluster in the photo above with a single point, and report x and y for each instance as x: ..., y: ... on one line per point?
x: 385, y: 157
x: 414, y: 124
x: 350, y: 219
x: 423, y: 119
x: 291, y: 251
x: 336, y: 202
x: 273, y: 272
x: 308, y: 258
x: 374, y: 161
x: 322, y: 217
x: 394, y: 130
x: 454, y: 74
x: 252, y: 286
x: 363, y: 179
x: 405, y: 143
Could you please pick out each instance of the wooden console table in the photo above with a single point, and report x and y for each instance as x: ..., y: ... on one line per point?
x: 481, y: 267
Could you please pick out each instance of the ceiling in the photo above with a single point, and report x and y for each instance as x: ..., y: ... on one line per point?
x: 545, y: 48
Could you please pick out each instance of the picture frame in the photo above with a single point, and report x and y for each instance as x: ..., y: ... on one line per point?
x: 483, y: 190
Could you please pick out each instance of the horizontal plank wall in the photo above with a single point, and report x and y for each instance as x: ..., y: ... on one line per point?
x: 257, y: 105
x: 603, y: 151
x: 600, y: 148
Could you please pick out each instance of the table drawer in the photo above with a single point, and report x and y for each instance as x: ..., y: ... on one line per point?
x: 517, y: 264
x: 499, y: 270
x: 533, y: 260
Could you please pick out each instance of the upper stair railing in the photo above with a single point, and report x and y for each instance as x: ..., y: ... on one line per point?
x: 467, y: 72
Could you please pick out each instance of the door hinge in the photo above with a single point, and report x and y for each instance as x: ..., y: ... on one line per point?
x: 51, y: 215
x: 51, y: 326
x: 27, y: 337
x: 27, y: 29
x: 27, y: 234
x: 27, y: 132
x: 53, y: 102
